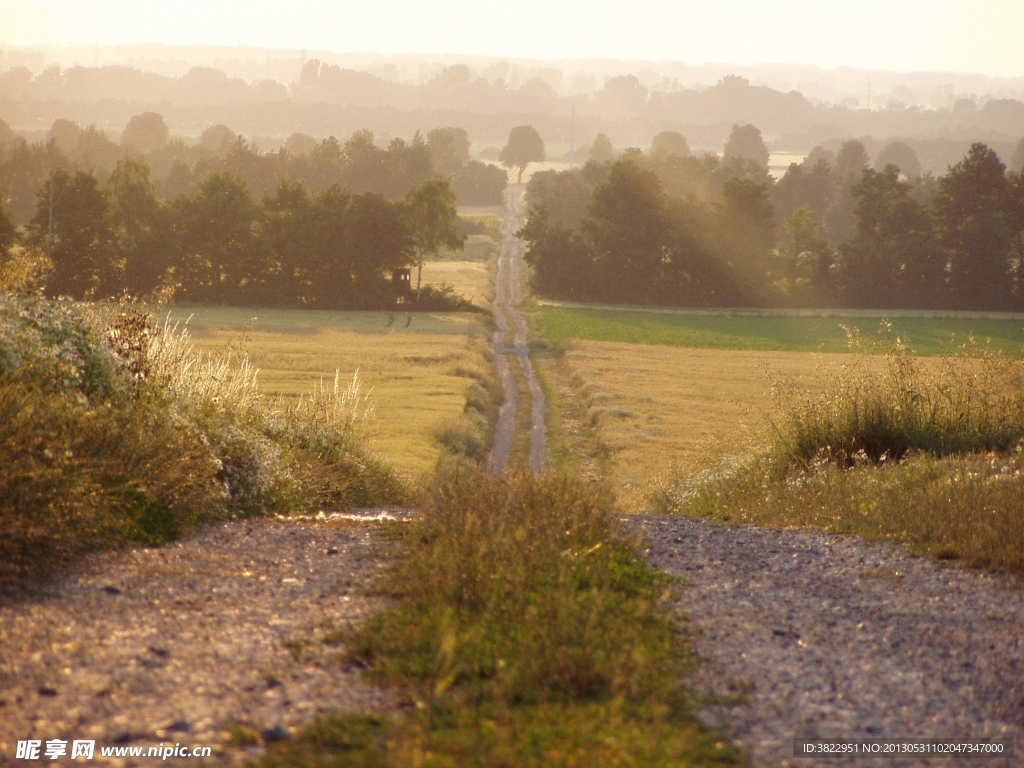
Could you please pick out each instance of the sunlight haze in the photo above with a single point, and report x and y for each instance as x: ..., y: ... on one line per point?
x: 907, y: 35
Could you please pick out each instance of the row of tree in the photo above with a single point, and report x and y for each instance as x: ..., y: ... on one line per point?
x: 674, y: 230
x: 358, y: 165
x: 327, y: 249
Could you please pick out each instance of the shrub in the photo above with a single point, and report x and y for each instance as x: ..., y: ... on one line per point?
x: 113, y: 431
x: 961, y: 405
x: 925, y: 453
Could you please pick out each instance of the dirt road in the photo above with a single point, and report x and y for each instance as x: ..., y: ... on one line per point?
x: 507, y: 296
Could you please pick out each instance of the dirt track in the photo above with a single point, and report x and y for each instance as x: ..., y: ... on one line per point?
x: 507, y: 296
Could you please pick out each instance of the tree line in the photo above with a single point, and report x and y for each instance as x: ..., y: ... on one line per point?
x: 331, y: 248
x: 672, y: 229
x: 180, y: 168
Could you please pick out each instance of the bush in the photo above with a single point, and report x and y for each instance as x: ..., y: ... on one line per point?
x: 113, y: 431
x: 964, y: 404
x: 925, y: 453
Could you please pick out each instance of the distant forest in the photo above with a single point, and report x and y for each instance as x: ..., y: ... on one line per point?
x: 326, y: 99
x: 674, y: 229
x: 178, y: 168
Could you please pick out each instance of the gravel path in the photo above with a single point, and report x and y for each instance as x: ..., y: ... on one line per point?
x: 174, y: 643
x: 507, y: 295
x: 828, y: 637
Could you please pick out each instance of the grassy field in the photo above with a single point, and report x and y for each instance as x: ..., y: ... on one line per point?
x: 471, y: 279
x: 660, y: 411
x: 417, y: 366
x: 928, y: 334
x: 924, y: 449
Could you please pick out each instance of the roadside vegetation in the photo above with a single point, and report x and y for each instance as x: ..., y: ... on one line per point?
x: 527, y: 631
x: 115, y: 431
x: 926, y: 453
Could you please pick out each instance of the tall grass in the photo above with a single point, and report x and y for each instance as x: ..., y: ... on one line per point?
x: 930, y: 454
x: 962, y: 403
x: 113, y: 430
x: 527, y: 632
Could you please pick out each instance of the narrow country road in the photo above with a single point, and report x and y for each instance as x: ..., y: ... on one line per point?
x: 507, y: 296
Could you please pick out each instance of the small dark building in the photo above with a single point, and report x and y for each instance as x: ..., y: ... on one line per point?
x: 401, y: 281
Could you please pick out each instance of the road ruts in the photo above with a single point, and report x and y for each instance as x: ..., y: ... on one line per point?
x: 507, y: 295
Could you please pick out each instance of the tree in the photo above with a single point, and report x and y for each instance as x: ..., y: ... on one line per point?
x: 745, y: 141
x: 25, y: 170
x: 971, y: 207
x: 379, y: 234
x: 602, y: 151
x: 449, y: 149
x: 478, y: 183
x: 893, y: 259
x: 145, y: 132
x: 900, y: 155
x: 8, y: 232
x: 626, y: 227
x: 670, y: 143
x: 1017, y: 162
x: 807, y: 184
x: 562, y: 262
x: 138, y: 242
x: 840, y: 220
x: 217, y: 139
x: 806, y: 258
x: 524, y: 146
x: 70, y: 226
x: 66, y: 133
x: 219, y: 256
x: 432, y: 218
x: 300, y: 144
x: 746, y: 230
x: 851, y: 159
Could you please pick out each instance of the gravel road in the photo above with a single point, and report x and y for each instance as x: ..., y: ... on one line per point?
x: 174, y: 643
x: 825, y: 636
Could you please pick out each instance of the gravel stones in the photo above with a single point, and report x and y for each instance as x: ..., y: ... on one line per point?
x: 806, y: 634
x: 177, y: 643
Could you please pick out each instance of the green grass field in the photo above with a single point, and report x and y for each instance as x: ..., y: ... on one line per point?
x: 928, y: 334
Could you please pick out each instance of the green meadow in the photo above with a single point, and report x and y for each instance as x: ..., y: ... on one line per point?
x: 928, y: 334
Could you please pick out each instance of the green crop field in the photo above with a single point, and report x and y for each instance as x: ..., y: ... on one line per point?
x: 928, y: 333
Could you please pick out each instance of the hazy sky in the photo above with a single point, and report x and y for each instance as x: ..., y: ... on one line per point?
x: 935, y: 35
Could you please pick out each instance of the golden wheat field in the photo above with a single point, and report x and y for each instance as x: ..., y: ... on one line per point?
x: 416, y: 367
x: 659, y: 411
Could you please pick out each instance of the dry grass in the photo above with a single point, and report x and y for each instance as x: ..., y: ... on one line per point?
x: 417, y: 375
x: 926, y: 453
x: 666, y: 411
x: 471, y: 279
